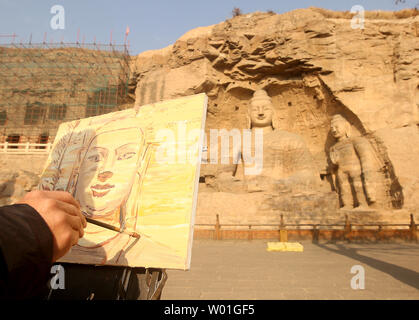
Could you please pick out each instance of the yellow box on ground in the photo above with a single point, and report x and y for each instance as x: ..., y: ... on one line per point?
x: 285, y: 246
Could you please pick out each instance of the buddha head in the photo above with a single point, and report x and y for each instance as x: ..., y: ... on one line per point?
x: 261, y: 111
x: 340, y: 127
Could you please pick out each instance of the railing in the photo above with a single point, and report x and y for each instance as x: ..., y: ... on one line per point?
x: 25, y: 148
x: 314, y: 229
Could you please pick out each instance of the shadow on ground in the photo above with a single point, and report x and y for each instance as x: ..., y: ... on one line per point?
x: 402, y: 274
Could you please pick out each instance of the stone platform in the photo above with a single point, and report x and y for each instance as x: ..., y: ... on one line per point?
x: 236, y: 269
x: 260, y: 209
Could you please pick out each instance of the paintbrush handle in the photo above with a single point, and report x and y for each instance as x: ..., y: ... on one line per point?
x: 111, y: 227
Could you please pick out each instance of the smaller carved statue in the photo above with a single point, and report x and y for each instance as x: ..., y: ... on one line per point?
x: 353, y: 158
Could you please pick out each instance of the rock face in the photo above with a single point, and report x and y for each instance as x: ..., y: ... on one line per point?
x: 14, y: 185
x: 313, y: 65
x: 19, y: 174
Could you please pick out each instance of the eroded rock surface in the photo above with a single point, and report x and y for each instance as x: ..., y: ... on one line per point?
x: 14, y: 185
x: 313, y: 65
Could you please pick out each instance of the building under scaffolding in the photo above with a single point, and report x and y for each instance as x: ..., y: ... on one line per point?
x: 43, y: 85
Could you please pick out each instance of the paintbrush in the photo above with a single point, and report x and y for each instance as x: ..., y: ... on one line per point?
x: 113, y: 228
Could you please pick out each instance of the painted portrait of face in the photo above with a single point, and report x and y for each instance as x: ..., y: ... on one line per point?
x: 108, y: 170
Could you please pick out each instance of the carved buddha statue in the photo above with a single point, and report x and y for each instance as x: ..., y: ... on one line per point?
x: 353, y: 158
x: 287, y: 163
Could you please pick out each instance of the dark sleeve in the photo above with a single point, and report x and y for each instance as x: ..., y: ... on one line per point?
x: 26, y: 245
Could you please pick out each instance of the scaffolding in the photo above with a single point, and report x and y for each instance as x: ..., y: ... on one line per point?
x: 43, y: 85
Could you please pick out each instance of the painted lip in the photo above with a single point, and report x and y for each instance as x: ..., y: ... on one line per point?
x: 100, y: 190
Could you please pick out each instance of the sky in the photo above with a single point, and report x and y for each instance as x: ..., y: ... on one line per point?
x: 153, y: 24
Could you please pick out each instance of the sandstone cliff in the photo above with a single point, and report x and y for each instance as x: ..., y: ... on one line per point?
x: 313, y: 64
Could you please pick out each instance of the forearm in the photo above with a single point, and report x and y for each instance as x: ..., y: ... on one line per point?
x: 26, y: 246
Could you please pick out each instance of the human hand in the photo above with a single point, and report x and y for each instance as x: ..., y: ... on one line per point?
x: 62, y: 214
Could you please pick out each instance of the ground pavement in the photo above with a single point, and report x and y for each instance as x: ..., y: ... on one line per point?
x: 240, y: 269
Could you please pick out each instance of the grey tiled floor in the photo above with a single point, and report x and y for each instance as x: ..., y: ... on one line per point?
x: 237, y: 269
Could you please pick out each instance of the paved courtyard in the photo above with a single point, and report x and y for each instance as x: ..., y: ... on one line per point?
x: 239, y: 269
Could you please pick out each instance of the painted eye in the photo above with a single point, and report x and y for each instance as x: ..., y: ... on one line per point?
x: 126, y: 156
x: 94, y: 158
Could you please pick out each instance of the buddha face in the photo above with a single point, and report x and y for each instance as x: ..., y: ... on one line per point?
x: 338, y: 128
x: 261, y: 113
x: 108, y: 170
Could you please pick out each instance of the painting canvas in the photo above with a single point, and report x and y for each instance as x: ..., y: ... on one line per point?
x: 137, y: 170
